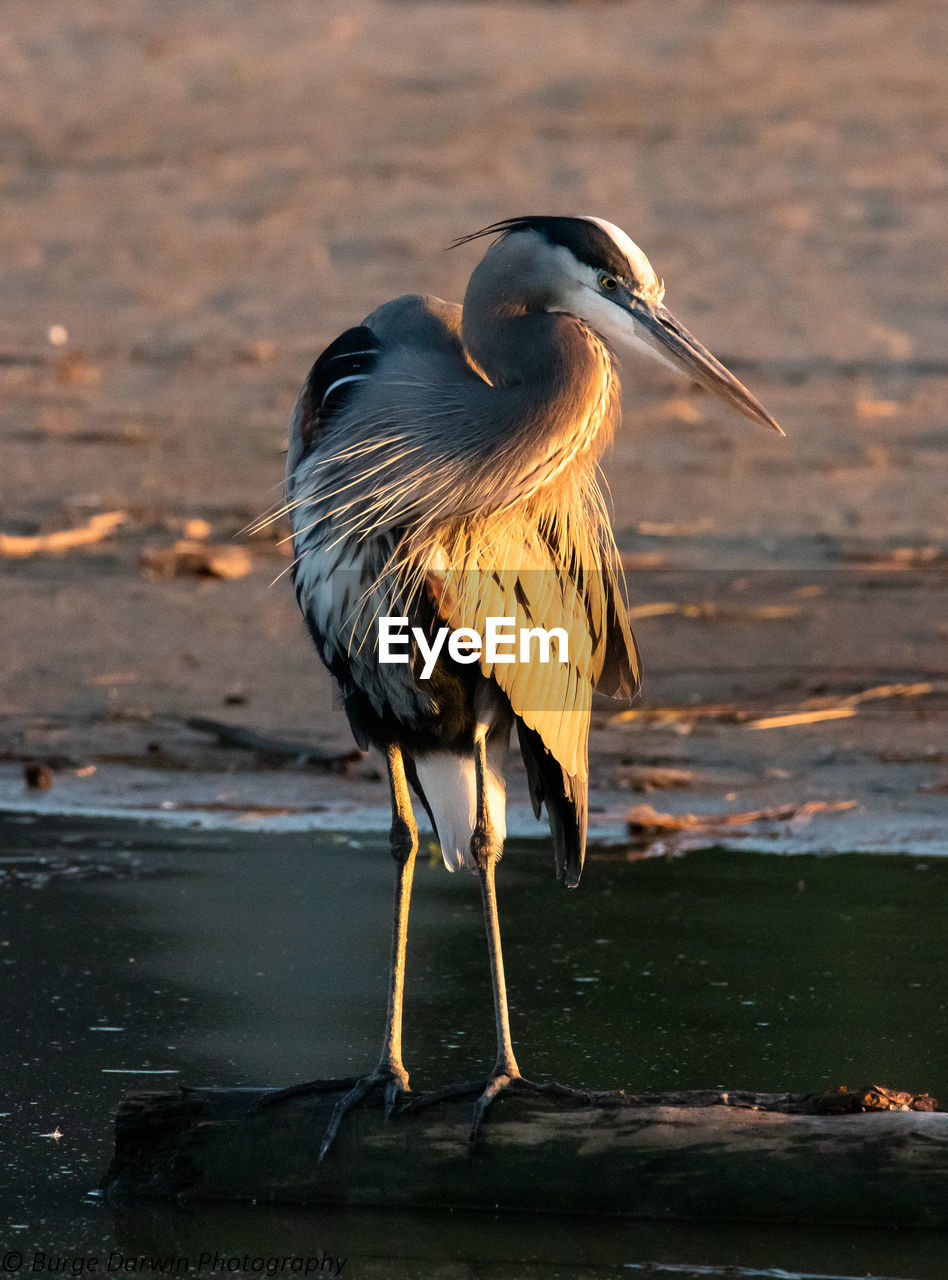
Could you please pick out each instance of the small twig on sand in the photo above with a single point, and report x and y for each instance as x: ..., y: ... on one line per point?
x: 642, y: 819
x: 189, y: 557
x: 235, y: 735
x: 94, y: 530
x: 812, y: 711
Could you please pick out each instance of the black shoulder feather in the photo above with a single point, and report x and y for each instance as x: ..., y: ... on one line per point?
x: 333, y: 378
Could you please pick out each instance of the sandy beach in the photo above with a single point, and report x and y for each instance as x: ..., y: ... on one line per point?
x: 199, y: 197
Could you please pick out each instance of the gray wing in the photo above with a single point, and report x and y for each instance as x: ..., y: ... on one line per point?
x: 336, y: 468
x: 418, y: 320
x: 347, y: 364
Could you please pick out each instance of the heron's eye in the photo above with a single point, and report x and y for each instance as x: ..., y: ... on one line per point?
x: 608, y: 284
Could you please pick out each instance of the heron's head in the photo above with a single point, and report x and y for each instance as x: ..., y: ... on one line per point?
x: 590, y: 268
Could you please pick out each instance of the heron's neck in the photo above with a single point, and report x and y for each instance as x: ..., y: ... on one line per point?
x: 553, y: 398
x: 541, y: 351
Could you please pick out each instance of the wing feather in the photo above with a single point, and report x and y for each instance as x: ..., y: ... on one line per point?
x: 330, y: 383
x: 508, y: 570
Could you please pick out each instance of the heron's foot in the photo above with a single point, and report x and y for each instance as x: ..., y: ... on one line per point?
x: 495, y: 1086
x: 500, y: 1082
x: 503, y: 1082
x: 392, y: 1081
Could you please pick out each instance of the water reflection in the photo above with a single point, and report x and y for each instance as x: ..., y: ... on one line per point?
x: 237, y: 959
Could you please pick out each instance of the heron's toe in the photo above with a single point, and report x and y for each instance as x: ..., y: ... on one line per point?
x: 390, y: 1080
x: 504, y: 1082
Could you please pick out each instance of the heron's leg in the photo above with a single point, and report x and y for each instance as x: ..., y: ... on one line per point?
x: 404, y: 842
x: 390, y: 1072
x: 505, y: 1067
x: 487, y: 848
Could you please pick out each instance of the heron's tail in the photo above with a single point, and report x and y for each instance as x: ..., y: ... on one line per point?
x: 449, y: 787
x: 566, y: 801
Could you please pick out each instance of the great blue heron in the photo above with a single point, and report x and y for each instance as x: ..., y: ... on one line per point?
x: 442, y: 470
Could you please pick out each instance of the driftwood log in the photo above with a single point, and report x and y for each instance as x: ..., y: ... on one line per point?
x: 848, y: 1157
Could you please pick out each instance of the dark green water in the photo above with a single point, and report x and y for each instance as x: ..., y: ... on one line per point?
x: 246, y: 959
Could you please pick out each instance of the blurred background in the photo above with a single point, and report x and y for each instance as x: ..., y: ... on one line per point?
x: 199, y: 195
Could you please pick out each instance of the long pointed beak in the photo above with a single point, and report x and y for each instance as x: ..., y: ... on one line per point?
x: 658, y: 329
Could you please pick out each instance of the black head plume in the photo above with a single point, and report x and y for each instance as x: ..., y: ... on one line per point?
x: 585, y: 239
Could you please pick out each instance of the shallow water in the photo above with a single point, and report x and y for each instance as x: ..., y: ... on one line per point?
x: 231, y: 959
